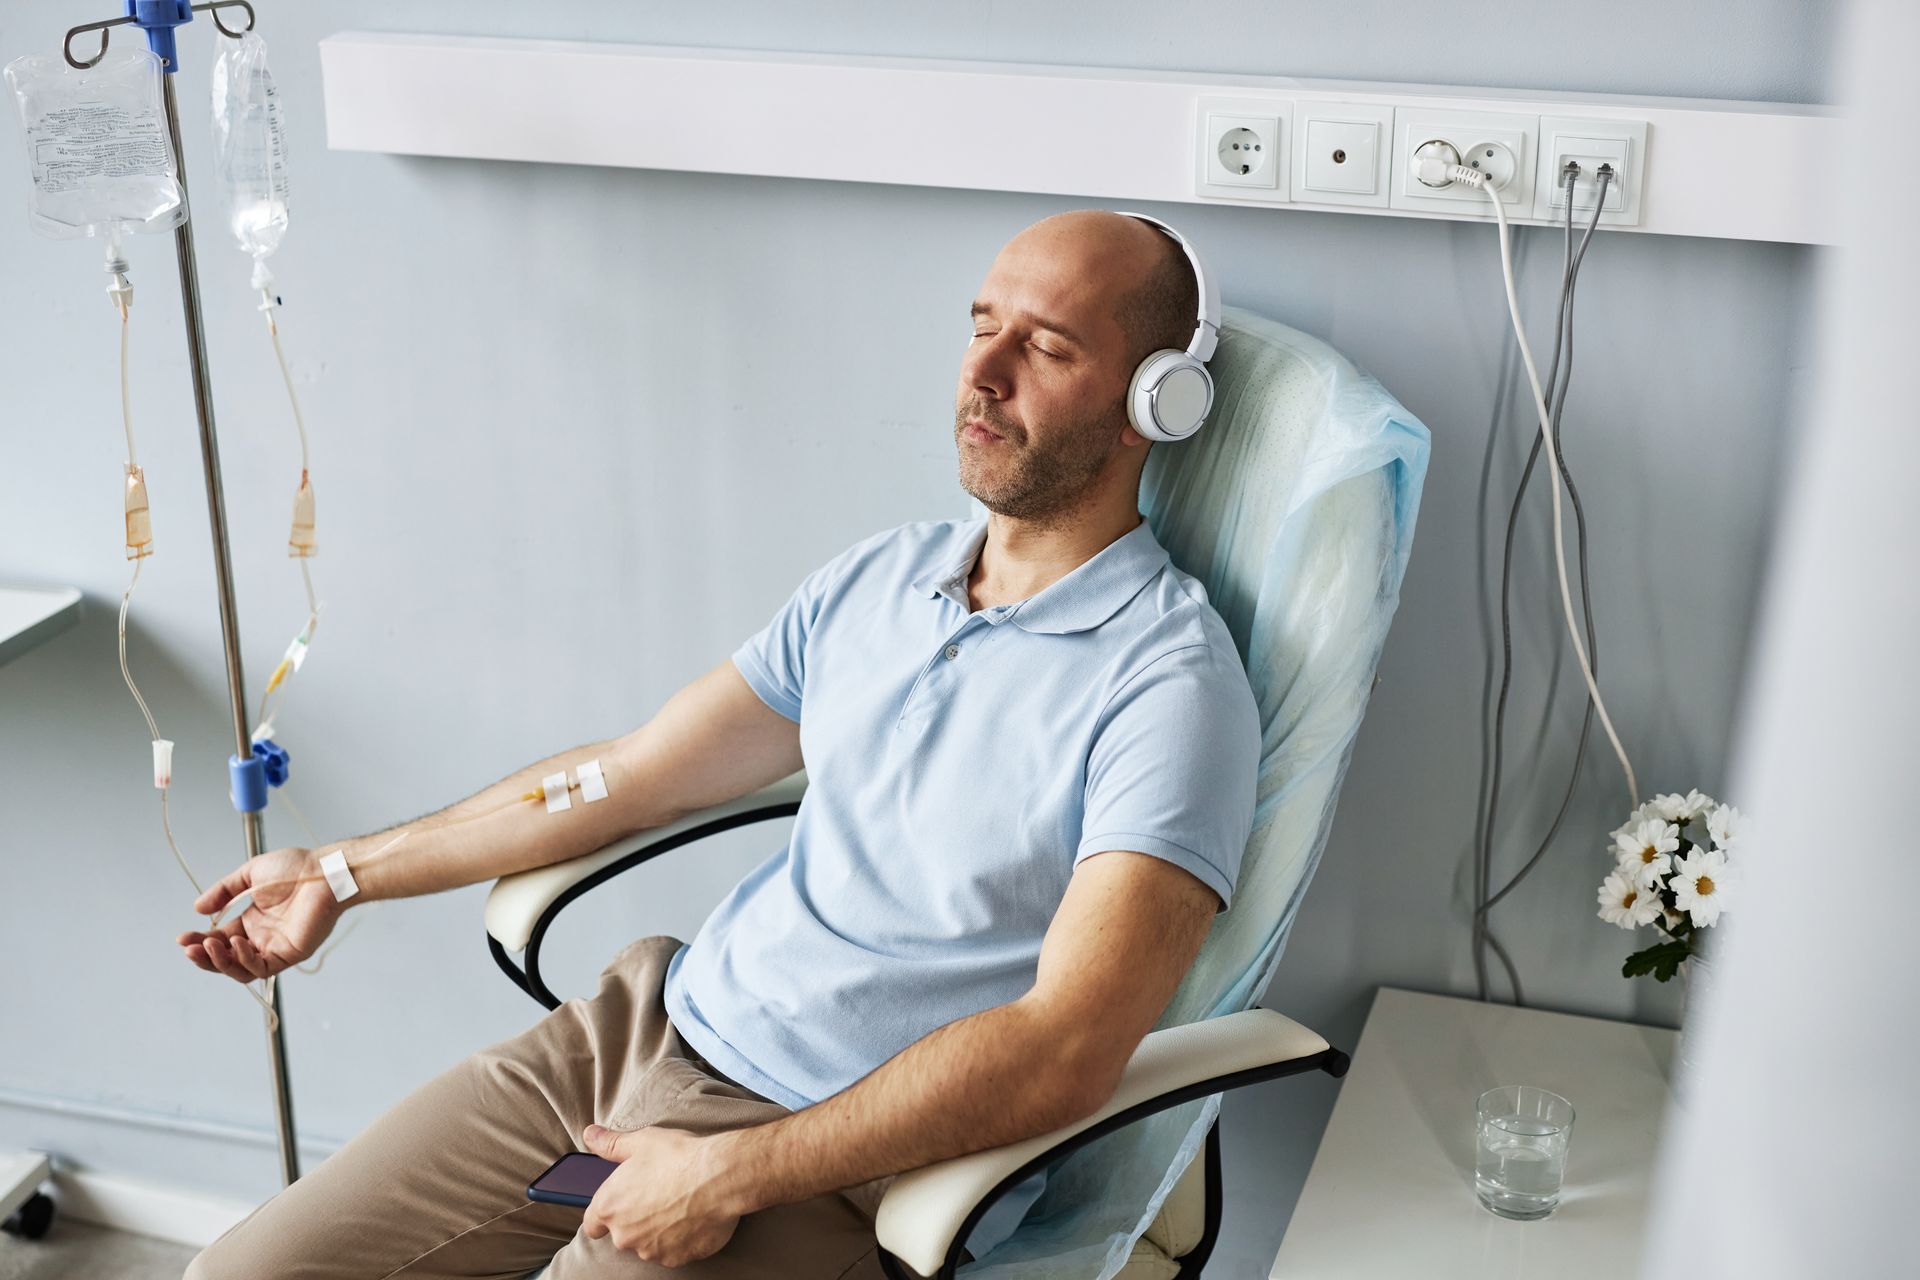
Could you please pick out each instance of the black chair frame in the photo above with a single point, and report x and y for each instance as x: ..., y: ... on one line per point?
x: 1332, y: 1061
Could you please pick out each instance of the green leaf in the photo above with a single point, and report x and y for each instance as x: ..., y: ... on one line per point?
x: 1661, y: 960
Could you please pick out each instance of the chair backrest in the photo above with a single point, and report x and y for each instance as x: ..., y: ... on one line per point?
x: 1295, y: 507
x: 1296, y: 511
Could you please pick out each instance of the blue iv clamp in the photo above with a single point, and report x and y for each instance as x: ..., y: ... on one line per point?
x: 158, y: 18
x: 249, y: 776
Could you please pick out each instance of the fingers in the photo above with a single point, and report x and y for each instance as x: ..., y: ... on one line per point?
x: 196, y: 951
x: 235, y: 956
x: 230, y: 887
x: 250, y: 957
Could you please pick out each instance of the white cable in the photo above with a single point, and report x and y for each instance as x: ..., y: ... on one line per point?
x: 1475, y: 178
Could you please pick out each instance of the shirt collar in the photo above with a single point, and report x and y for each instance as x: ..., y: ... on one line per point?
x: 1086, y: 597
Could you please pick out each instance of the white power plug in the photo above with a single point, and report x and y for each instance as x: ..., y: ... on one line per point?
x: 1436, y: 171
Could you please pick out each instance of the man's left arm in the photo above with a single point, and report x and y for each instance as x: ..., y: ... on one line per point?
x: 1125, y: 934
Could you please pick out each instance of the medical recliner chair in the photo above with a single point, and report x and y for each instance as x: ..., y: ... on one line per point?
x: 1295, y: 507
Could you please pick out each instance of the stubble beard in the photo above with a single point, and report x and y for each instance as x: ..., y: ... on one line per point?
x: 1032, y: 482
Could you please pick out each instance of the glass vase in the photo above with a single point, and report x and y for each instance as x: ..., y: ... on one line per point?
x: 1696, y: 992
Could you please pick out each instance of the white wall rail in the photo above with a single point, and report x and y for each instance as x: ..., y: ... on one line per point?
x: 1691, y: 166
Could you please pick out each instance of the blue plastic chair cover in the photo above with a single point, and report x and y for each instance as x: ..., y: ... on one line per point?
x: 1295, y: 508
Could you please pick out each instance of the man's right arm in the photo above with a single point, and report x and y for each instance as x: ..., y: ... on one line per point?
x: 711, y: 742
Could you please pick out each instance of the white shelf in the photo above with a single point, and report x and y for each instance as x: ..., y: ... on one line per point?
x: 1390, y: 1193
x: 1087, y: 132
x: 29, y: 615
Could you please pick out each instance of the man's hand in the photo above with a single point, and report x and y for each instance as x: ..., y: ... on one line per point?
x: 292, y: 913
x: 665, y: 1202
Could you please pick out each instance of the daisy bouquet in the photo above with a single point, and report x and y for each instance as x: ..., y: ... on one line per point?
x: 1667, y: 874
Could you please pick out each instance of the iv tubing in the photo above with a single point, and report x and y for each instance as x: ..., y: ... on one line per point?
x: 126, y: 673
x: 126, y: 403
x: 273, y: 331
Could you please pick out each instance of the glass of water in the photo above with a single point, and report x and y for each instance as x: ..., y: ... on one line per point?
x: 1521, y: 1150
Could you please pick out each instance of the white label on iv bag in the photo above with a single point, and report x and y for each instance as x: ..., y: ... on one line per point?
x: 82, y: 144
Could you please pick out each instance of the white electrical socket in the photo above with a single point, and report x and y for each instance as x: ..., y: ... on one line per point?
x: 1242, y: 148
x: 1590, y: 144
x: 1342, y: 152
x: 1500, y: 145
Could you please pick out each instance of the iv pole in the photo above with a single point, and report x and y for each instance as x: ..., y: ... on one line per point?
x: 158, y: 18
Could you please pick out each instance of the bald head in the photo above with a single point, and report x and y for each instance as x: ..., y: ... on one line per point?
x: 1152, y: 295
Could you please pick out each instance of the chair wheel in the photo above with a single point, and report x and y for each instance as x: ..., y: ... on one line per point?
x: 32, y: 1219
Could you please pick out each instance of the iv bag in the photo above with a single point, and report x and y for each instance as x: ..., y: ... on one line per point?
x: 250, y: 145
x: 97, y: 145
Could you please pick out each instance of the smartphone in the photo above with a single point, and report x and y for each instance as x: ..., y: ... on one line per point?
x: 572, y: 1179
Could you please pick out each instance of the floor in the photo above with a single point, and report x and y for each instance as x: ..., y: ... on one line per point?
x: 71, y: 1250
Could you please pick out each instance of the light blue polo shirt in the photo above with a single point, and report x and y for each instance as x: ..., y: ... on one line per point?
x: 960, y: 765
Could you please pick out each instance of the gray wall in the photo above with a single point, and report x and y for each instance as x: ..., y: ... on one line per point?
x: 578, y: 432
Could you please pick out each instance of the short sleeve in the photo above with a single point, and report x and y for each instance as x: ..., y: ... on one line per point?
x: 1174, y: 766
x: 773, y: 661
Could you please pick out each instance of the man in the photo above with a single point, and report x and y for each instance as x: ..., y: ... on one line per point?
x: 1031, y: 752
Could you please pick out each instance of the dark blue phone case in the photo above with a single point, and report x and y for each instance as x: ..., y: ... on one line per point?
x: 572, y: 1179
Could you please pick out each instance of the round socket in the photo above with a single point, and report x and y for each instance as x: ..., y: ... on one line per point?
x: 1495, y: 160
x: 1241, y: 152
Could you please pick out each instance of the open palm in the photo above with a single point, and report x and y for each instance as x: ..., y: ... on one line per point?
x: 292, y: 913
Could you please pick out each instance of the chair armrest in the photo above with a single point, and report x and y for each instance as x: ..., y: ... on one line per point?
x: 517, y: 902
x: 926, y: 1213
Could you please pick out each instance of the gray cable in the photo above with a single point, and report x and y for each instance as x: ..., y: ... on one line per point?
x: 1585, y: 591
x: 1483, y: 854
x: 1556, y: 394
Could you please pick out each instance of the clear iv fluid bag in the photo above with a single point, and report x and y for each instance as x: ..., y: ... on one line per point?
x: 97, y: 145
x: 250, y: 145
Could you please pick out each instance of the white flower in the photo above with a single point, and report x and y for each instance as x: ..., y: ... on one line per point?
x: 1624, y: 901
x: 1634, y: 819
x: 1646, y: 849
x: 1668, y: 806
x: 1678, y: 808
x: 1724, y: 825
x: 1700, y: 885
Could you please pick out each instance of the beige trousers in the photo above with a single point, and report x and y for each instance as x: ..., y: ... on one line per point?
x: 436, y: 1187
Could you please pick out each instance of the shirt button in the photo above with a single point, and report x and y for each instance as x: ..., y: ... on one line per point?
x: 952, y: 651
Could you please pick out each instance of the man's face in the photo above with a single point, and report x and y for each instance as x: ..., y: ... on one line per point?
x: 1040, y: 410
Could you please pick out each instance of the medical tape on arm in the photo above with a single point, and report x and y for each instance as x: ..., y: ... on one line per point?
x: 588, y: 777
x: 593, y: 783
x: 339, y: 879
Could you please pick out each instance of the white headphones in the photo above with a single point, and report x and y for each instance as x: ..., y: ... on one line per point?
x: 1172, y: 391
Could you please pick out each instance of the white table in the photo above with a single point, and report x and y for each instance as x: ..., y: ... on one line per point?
x: 1390, y: 1193
x: 29, y: 615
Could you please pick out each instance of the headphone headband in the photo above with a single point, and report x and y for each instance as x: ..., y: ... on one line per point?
x: 1206, y: 326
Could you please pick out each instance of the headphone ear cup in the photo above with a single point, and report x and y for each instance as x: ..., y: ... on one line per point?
x: 1169, y: 396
